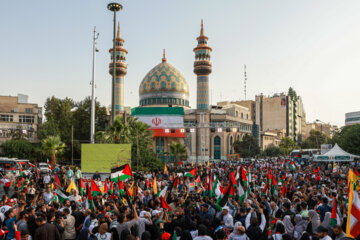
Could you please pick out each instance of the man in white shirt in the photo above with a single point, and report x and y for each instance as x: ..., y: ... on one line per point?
x: 75, y: 196
x: 48, y: 195
x: 47, y: 179
x: 227, y: 219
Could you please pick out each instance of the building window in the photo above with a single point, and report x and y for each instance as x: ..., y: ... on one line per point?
x: 242, y: 115
x: 28, y: 110
x: 217, y: 147
x: 160, y: 145
x: 231, y: 145
x: 26, y: 119
x: 6, y: 118
x: 236, y: 114
x: 247, y: 116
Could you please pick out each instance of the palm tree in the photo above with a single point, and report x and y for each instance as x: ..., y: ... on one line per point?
x: 140, y: 136
x: 52, y: 145
x: 178, y: 150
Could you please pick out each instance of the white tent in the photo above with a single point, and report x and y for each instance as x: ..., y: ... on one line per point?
x: 336, y: 154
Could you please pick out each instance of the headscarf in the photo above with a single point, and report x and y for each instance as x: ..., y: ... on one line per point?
x: 326, y: 222
x: 289, y: 227
x: 237, y: 224
x: 301, y: 224
x: 315, y: 219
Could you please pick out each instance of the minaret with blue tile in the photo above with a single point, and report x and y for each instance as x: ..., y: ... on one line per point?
x: 120, y: 72
x: 202, y: 68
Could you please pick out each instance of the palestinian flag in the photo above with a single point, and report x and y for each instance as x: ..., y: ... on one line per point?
x: 61, y: 195
x: 106, y: 188
x: 82, y: 187
x: 95, y: 190
x: 111, y: 187
x: 89, y: 203
x: 222, y: 201
x: 284, y: 190
x: 162, y: 192
x: 174, y: 183
x: 192, y: 173
x: 54, y: 198
x: 124, y: 172
x: 216, y: 188
x: 121, y: 187
x: 57, y: 182
x: 164, y: 203
x: 283, y: 178
x: 243, y: 178
x: 242, y: 193
x: 232, y: 178
x: 292, y: 165
x: 197, y: 181
x: 334, y: 217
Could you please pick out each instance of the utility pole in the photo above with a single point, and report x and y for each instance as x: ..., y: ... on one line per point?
x: 92, y: 124
x: 72, y: 144
x: 245, y: 79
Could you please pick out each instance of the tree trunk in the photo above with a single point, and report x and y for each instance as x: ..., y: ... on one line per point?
x: 53, y: 161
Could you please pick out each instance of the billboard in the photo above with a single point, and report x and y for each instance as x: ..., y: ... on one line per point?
x: 101, y: 157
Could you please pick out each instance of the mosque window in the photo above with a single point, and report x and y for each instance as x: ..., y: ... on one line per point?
x: 217, y: 147
x: 163, y: 85
x: 152, y: 85
x: 173, y: 85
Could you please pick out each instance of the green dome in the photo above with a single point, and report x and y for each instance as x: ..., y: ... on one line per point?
x: 164, y: 85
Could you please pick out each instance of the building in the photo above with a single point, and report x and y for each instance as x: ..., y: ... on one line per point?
x: 208, y: 132
x: 281, y: 112
x: 19, y: 116
x: 352, y: 118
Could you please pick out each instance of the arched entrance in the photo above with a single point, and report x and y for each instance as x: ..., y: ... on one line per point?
x: 217, y: 147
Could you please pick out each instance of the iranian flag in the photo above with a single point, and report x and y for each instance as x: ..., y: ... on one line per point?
x: 160, y: 117
x: 57, y: 184
x: 192, y: 173
x: 353, y: 219
x: 124, y: 172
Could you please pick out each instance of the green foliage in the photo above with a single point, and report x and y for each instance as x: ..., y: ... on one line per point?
x: 272, y: 151
x: 247, y: 147
x: 287, y: 144
x: 348, y: 139
x: 48, y: 128
x: 20, y: 148
x: 52, y: 146
x: 315, y: 140
x: 178, y: 150
x: 292, y: 94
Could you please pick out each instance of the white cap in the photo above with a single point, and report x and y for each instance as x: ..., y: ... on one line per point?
x: 226, y: 208
x: 155, y: 212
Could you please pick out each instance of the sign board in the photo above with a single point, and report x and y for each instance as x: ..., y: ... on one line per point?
x: 325, y: 148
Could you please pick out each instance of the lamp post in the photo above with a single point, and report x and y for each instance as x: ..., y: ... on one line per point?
x: 92, y: 124
x: 321, y: 128
x: 114, y: 7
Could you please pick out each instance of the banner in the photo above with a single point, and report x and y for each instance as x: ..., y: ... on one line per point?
x: 160, y: 117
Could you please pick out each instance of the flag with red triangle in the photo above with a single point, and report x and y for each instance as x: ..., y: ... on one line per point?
x: 82, y: 187
x: 191, y: 173
x: 106, y: 187
x: 164, y: 204
x: 124, y: 172
x: 89, y: 202
x: 95, y: 190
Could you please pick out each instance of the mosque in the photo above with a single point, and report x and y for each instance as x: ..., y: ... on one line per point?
x: 208, y: 132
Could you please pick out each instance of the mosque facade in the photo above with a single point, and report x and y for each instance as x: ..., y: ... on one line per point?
x: 208, y: 132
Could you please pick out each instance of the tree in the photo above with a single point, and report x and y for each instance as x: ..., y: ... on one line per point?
x: 140, y: 136
x: 286, y: 145
x: 272, y: 151
x: 48, y: 128
x: 247, y: 147
x: 82, y: 119
x: 52, y: 146
x: 315, y: 139
x: 349, y: 139
x: 19, y: 148
x: 178, y: 150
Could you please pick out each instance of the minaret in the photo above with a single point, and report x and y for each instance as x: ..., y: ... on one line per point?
x: 202, y: 68
x: 121, y: 70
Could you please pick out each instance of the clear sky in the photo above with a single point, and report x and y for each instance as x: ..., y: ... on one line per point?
x: 313, y: 46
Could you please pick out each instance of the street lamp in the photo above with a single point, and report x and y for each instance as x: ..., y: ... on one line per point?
x: 114, y: 7
x: 321, y: 128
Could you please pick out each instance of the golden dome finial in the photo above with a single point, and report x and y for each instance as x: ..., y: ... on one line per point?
x: 118, y: 31
x: 164, y: 57
x: 202, y: 28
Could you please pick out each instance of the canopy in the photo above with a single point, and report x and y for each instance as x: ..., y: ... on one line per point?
x: 336, y: 154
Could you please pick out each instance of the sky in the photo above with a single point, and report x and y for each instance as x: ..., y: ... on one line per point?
x: 312, y: 46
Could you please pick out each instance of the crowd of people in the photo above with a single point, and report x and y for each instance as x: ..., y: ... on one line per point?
x: 272, y: 199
